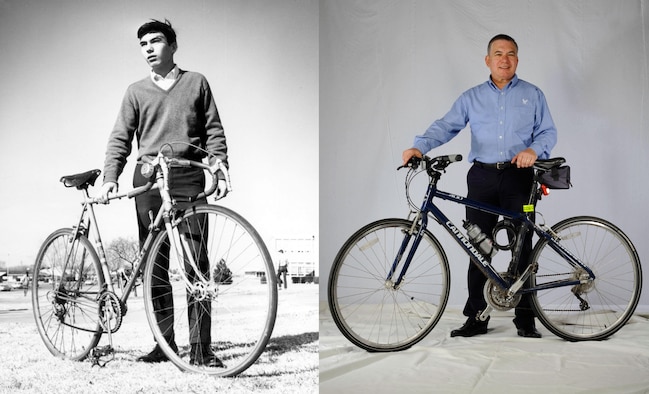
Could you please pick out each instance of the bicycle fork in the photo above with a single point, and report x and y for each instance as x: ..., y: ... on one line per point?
x: 417, y: 229
x: 181, y: 248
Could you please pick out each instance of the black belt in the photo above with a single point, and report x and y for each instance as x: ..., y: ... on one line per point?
x: 497, y: 166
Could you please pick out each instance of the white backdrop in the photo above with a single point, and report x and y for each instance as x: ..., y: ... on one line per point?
x: 390, y: 68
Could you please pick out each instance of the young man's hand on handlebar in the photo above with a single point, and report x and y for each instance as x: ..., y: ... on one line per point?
x: 106, y: 189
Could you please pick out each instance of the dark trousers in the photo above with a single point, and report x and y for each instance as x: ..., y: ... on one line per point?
x: 183, y: 183
x: 508, y: 189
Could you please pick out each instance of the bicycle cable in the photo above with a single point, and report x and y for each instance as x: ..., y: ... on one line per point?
x: 410, y: 176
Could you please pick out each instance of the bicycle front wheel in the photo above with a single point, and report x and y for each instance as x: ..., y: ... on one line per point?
x: 217, y: 299
x: 65, y: 290
x: 591, y: 310
x: 366, y: 306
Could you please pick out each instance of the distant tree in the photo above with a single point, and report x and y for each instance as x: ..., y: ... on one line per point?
x: 222, y: 274
x: 122, y: 253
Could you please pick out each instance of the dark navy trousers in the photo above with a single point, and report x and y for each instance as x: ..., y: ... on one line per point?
x: 508, y: 189
x: 183, y: 183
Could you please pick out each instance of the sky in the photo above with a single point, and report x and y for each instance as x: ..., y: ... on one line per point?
x: 67, y: 63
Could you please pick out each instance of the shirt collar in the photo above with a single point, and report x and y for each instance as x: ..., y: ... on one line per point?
x: 511, y: 83
x: 171, y: 76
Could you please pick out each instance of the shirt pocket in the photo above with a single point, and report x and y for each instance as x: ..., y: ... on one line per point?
x: 522, y: 121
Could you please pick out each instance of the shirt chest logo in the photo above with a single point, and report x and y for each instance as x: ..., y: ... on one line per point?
x: 525, y: 101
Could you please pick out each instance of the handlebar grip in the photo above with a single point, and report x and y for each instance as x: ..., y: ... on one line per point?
x: 454, y: 158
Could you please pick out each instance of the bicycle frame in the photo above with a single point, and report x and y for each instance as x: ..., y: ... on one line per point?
x: 209, y: 282
x: 88, y: 221
x: 420, y: 224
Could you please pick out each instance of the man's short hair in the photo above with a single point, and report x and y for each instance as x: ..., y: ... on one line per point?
x: 501, y: 37
x: 155, y: 26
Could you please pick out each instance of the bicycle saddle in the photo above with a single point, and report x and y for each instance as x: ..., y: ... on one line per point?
x: 549, y: 163
x: 81, y: 181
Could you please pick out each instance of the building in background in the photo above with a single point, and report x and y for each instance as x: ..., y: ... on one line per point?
x: 300, y: 255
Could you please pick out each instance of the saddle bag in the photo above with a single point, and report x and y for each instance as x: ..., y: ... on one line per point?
x: 556, y: 178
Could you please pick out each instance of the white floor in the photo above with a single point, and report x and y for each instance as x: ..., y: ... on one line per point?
x: 498, y: 362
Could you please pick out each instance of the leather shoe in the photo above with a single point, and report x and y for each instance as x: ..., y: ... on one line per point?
x: 157, y: 355
x: 202, y: 354
x: 529, y: 332
x: 472, y: 327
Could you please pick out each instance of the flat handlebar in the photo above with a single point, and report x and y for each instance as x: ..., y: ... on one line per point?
x: 438, y: 163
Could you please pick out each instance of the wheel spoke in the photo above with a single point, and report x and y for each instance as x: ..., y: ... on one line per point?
x: 365, y: 304
x: 611, y: 297
x: 227, y: 309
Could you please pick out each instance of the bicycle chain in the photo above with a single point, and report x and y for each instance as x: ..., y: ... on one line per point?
x: 559, y: 310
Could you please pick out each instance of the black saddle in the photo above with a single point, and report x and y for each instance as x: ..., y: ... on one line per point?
x: 81, y: 181
x: 549, y: 163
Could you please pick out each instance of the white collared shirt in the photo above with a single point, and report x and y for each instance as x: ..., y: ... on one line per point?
x: 166, y: 81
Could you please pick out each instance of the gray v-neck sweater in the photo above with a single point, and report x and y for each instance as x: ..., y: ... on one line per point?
x: 184, y: 113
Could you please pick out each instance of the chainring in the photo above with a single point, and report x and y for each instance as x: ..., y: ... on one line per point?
x: 497, y: 297
x: 108, y: 301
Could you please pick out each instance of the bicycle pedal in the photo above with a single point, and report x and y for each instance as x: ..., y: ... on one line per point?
x: 97, y: 353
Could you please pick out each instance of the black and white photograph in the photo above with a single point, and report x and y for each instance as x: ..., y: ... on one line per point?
x: 160, y: 178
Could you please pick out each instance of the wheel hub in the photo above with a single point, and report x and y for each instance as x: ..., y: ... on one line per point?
x: 586, y: 285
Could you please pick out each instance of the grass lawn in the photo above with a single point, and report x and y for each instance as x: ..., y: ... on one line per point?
x: 289, y: 364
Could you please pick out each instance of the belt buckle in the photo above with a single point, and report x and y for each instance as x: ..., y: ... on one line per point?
x: 501, y: 165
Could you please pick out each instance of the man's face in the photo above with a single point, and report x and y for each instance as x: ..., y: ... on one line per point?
x: 157, y: 52
x: 502, y: 60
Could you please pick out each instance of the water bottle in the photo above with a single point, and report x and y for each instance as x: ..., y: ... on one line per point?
x: 479, y: 239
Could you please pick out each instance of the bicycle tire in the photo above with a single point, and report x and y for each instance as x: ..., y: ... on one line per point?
x: 367, y: 310
x: 241, y: 297
x: 66, y: 308
x: 612, y: 297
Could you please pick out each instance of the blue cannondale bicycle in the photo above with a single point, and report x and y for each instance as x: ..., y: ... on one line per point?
x: 389, y: 283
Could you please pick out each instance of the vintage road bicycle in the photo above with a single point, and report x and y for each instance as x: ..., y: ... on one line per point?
x: 207, y: 262
x: 389, y: 283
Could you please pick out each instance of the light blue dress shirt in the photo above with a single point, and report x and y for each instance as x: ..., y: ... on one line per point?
x: 503, y: 122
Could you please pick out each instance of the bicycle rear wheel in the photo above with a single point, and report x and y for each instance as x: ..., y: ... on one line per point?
x: 609, y: 300
x: 227, y: 310
x: 364, y: 304
x: 65, y: 290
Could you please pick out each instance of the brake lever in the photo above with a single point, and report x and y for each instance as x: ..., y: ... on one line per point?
x: 414, y: 162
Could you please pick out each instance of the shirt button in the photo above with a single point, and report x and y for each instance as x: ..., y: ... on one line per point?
x: 501, y: 122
